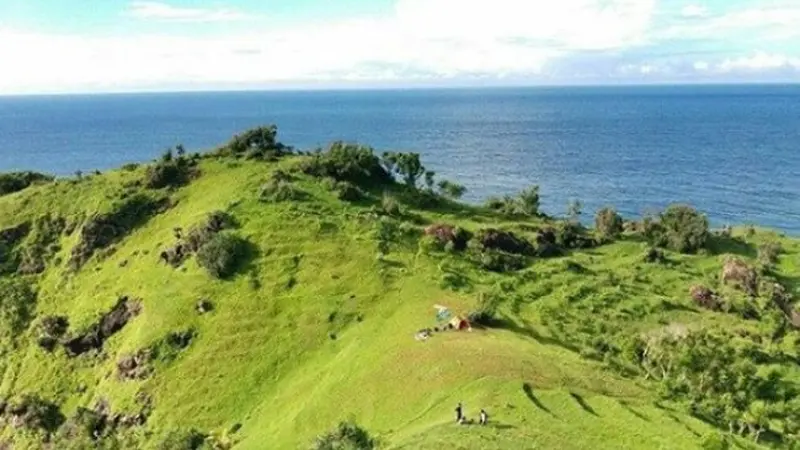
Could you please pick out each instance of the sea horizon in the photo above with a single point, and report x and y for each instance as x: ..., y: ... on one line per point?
x: 731, y: 150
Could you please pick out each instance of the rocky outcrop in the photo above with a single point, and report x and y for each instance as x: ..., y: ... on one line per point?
x: 109, y: 324
x: 705, y: 297
x: 445, y: 233
x: 506, y: 241
x: 102, y: 230
x: 736, y: 272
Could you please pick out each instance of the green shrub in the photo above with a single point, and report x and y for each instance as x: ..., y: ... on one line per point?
x: 679, y: 228
x: 182, y: 440
x: 715, y: 441
x: 222, y: 254
x: 526, y: 203
x: 386, y: 232
x: 347, y: 162
x: 346, y: 436
x: 170, y: 172
x: 452, y: 190
x: 36, y: 413
x: 17, y: 181
x: 430, y: 244
x: 407, y: 165
x: 608, y: 223
x: 501, y: 262
x: 257, y: 143
x: 348, y: 192
x: 768, y: 253
x: 280, y: 191
x: 390, y: 206
x: 17, y: 304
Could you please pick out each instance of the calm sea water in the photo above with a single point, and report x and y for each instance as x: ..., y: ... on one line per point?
x: 732, y: 151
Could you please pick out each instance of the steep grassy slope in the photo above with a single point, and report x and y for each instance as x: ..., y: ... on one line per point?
x: 315, y: 328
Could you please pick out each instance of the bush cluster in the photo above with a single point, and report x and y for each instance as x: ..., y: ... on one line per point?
x: 347, y: 162
x: 525, y: 204
x: 17, y: 304
x: 608, y: 223
x: 452, y: 190
x: 16, y: 181
x: 257, y: 143
x: 170, y: 170
x: 347, y: 435
x: 679, y: 228
x: 221, y: 255
x: 277, y: 190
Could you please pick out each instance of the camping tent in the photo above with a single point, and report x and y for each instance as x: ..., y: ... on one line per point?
x: 459, y: 323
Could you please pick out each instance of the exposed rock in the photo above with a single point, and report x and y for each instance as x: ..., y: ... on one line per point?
x: 505, y: 241
x: 33, y: 412
x: 13, y: 235
x: 204, y: 306
x: 705, y: 297
x: 445, y: 233
x: 195, y: 238
x: 110, y: 323
x: 51, y: 329
x: 135, y: 367
x: 546, y: 243
x: 738, y: 273
x: 102, y: 230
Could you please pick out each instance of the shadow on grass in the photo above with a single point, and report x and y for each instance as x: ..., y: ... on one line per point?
x: 246, y: 255
x: 586, y: 407
x: 633, y: 411
x: 719, y: 245
x: 504, y: 323
x: 502, y: 426
x: 528, y: 389
x: 678, y: 421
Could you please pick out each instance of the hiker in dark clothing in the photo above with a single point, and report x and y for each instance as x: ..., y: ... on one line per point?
x: 459, y: 414
x: 484, y: 417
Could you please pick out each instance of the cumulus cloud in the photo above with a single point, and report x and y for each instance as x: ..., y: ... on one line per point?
x: 415, y: 40
x: 760, y: 61
x: 435, y: 38
x: 165, y: 12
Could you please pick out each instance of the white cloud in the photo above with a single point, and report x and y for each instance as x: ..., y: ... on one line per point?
x: 163, y: 11
x: 430, y: 38
x: 766, y: 20
x: 700, y: 66
x: 694, y: 11
x: 759, y: 62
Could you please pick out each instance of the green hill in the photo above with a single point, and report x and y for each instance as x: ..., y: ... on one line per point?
x: 255, y: 297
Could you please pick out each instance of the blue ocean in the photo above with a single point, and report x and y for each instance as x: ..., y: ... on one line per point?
x: 732, y: 151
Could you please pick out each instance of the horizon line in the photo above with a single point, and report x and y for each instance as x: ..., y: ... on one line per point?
x: 394, y: 88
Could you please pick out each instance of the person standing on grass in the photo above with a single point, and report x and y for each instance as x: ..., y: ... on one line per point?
x: 484, y: 417
x: 459, y: 413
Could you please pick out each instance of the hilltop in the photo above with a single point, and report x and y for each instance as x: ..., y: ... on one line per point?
x: 257, y: 297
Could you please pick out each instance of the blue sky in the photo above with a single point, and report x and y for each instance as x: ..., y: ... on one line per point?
x: 49, y: 46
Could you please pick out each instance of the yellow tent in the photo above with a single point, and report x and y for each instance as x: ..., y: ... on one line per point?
x: 459, y: 323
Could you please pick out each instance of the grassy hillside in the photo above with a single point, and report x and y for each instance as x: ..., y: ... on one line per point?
x: 325, y: 276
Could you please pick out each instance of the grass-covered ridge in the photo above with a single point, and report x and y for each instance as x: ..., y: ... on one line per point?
x: 262, y: 298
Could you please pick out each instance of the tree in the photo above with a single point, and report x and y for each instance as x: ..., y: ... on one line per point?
x: 608, y: 223
x: 407, y: 165
x: 528, y: 201
x: 574, y: 210
x: 429, y: 181
x: 346, y: 436
x: 685, y: 229
x: 452, y: 190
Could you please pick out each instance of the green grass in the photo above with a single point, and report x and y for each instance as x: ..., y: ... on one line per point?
x: 315, y: 329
